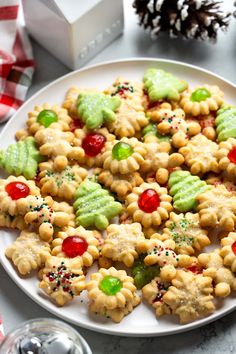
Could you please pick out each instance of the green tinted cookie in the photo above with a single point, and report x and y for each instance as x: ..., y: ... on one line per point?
x: 142, y: 273
x: 160, y: 85
x: 94, y: 205
x: 226, y: 123
x: 21, y: 158
x: 96, y: 108
x: 151, y: 130
x: 184, y: 188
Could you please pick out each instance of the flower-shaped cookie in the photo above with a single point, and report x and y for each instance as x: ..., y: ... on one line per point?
x: 217, y: 206
x: 202, y: 100
x: 187, y: 233
x: 130, y: 116
x: 120, y: 184
x: 226, y: 156
x: 190, y: 297
x: 62, y: 279
x: 40, y: 212
x: 174, y: 123
x: 46, y: 116
x: 158, y: 159
x: 59, y: 146
x: 93, y: 144
x: 79, y: 243
x: 12, y: 190
x: 214, y: 267
x: 162, y: 253
x: 60, y: 184
x: 149, y: 204
x: 120, y: 243
x: 124, y: 156
x: 228, y: 251
x: 200, y: 155
x: 12, y: 222
x: 154, y: 292
x: 28, y: 252
x: 112, y: 293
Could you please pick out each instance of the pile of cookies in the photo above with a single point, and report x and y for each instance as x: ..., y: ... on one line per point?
x: 137, y: 179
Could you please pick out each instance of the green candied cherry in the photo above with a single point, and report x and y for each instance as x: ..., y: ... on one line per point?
x: 121, y: 151
x: 110, y: 285
x: 201, y: 94
x: 47, y: 117
x: 142, y: 273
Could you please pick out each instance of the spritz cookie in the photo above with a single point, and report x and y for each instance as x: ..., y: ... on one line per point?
x: 62, y: 279
x: 60, y: 184
x: 130, y: 116
x: 76, y: 242
x: 124, y: 156
x: 228, y: 251
x: 223, y: 277
x: 149, y: 204
x: 12, y: 190
x: 120, y: 242
x: 187, y: 233
x: 217, y: 206
x: 28, y: 252
x: 190, y: 296
x: 200, y: 155
x: 202, y: 100
x: 12, y: 222
x: 226, y: 156
x: 112, y: 293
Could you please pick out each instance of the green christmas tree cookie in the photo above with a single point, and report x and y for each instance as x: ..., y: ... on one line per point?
x: 142, y: 273
x: 151, y: 130
x: 160, y: 85
x: 226, y: 123
x: 21, y: 158
x: 184, y: 188
x: 94, y: 205
x: 96, y: 108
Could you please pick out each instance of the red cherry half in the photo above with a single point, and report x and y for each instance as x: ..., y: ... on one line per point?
x: 234, y: 247
x: 232, y: 155
x: 93, y: 144
x: 74, y: 246
x: 149, y: 201
x: 17, y: 190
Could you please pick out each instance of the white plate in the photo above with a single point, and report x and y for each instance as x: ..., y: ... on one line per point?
x: 142, y: 321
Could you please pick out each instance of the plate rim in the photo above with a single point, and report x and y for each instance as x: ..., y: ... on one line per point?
x: 96, y: 327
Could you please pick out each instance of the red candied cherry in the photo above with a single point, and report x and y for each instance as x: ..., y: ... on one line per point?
x: 93, y: 144
x: 74, y: 246
x: 110, y: 285
x: 149, y: 201
x: 17, y: 190
x: 76, y: 123
x: 232, y: 155
x: 234, y: 247
x: 47, y: 117
x: 195, y: 269
x: 200, y: 94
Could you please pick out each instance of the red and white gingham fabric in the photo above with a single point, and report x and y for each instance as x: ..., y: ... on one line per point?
x: 16, y: 59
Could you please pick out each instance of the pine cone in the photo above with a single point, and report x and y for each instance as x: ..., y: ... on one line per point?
x: 199, y: 19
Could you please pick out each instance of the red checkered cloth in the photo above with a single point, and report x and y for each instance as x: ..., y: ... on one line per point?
x: 16, y: 59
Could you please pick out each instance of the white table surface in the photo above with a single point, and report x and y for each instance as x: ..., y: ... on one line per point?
x: 16, y: 307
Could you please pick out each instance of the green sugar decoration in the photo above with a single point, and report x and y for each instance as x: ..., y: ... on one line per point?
x: 110, y: 285
x: 201, y: 94
x: 47, y: 117
x: 184, y: 188
x: 94, y: 205
x: 21, y: 158
x: 226, y: 123
x: 121, y: 151
x: 142, y: 273
x: 160, y: 84
x: 94, y: 109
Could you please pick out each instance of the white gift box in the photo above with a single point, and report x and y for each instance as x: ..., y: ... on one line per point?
x: 74, y: 30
